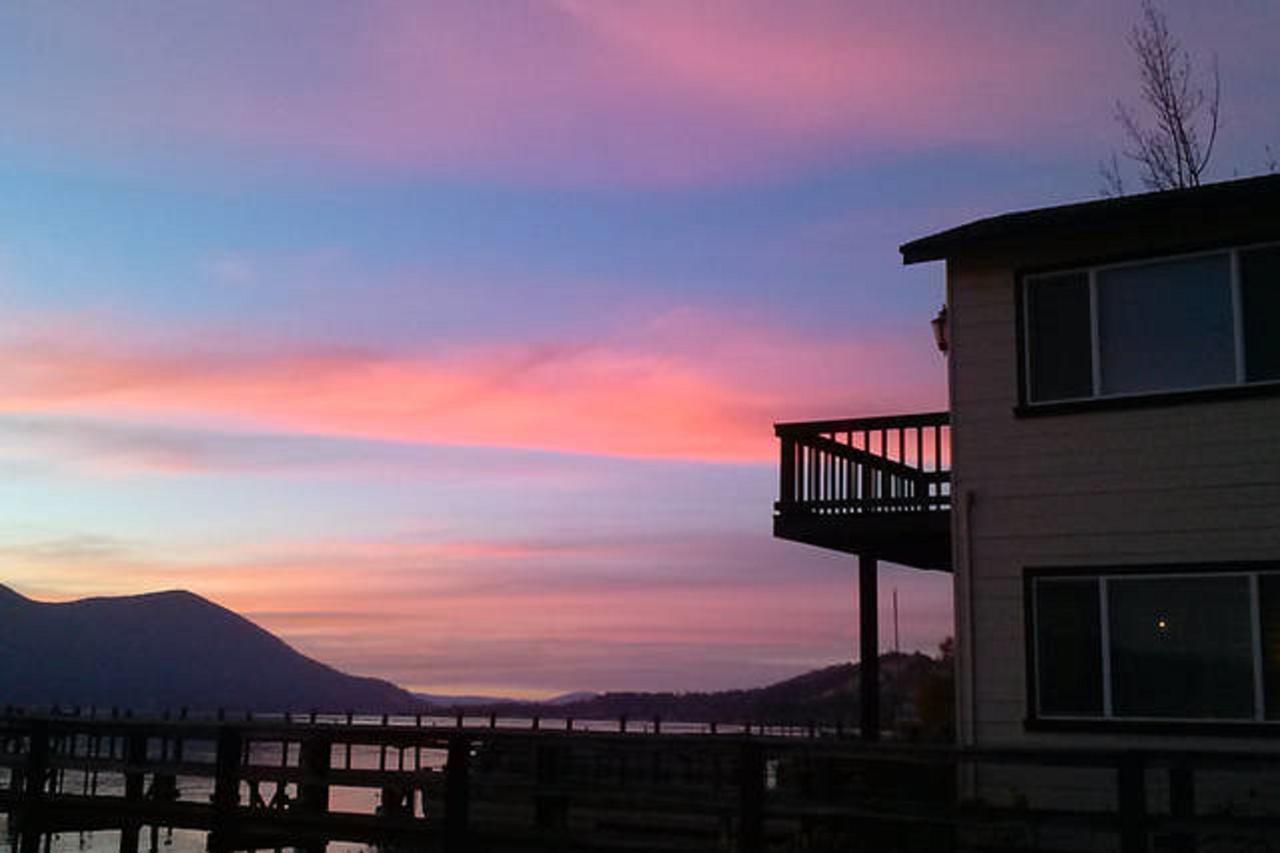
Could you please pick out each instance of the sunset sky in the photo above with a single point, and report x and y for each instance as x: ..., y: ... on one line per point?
x: 445, y: 339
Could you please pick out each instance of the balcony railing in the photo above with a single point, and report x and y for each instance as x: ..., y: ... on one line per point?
x: 868, y: 486
x: 899, y: 463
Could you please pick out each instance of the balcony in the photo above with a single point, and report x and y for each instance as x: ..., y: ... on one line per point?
x: 876, y: 487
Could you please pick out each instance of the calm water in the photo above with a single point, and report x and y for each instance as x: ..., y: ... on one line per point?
x: 166, y: 841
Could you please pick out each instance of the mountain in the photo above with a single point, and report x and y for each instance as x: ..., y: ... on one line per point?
x: 166, y: 650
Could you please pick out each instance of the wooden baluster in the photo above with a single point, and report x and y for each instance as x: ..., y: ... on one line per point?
x: 828, y: 465
x: 937, y: 463
x: 802, y: 483
x: 820, y: 463
x: 787, y: 473
x: 922, y: 488
x: 850, y: 487
x: 819, y: 472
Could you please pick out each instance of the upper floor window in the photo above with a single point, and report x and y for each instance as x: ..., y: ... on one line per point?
x: 1198, y: 321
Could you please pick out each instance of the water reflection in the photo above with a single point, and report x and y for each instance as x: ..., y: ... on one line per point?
x: 151, y: 839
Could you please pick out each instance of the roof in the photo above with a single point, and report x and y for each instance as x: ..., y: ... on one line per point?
x: 1258, y: 196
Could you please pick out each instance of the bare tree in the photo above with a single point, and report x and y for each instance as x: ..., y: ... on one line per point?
x: 1171, y: 138
x: 1112, y: 179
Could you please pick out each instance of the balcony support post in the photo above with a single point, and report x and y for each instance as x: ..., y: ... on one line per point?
x: 869, y: 635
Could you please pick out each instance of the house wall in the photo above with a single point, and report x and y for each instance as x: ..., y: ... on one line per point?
x: 1195, y: 481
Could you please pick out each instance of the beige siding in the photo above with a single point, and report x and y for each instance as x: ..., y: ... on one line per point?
x: 1185, y: 483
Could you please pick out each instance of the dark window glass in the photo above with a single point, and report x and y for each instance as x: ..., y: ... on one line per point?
x: 1269, y: 610
x: 1068, y: 647
x: 1059, y: 337
x: 1166, y: 325
x: 1260, y: 304
x: 1181, y: 647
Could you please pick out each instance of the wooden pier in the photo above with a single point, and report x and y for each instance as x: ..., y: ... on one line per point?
x: 264, y: 783
x: 474, y: 785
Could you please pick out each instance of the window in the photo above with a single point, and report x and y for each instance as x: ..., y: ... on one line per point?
x: 1198, y: 321
x: 1260, y: 301
x: 1186, y: 644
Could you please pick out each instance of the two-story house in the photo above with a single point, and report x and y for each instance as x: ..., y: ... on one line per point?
x: 1105, y: 486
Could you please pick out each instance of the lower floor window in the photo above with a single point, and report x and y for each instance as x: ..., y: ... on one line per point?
x: 1186, y: 643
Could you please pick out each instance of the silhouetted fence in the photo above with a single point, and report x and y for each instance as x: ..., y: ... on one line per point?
x: 453, y: 786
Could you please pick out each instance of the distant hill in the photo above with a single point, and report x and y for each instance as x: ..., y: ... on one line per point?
x: 824, y: 695
x: 570, y: 698
x: 446, y: 701
x: 166, y: 650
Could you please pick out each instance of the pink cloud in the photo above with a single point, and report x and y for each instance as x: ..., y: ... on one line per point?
x: 584, y: 92
x: 681, y: 385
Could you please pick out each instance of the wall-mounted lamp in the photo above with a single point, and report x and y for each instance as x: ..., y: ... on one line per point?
x: 941, y: 333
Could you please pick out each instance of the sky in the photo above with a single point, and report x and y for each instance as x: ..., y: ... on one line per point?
x: 445, y: 339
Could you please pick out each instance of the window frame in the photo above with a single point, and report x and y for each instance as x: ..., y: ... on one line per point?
x: 1240, y: 387
x: 1107, y: 721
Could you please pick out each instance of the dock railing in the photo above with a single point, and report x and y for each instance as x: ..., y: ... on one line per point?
x: 452, y: 787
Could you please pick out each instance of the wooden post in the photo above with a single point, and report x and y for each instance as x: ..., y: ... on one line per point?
x: 393, y: 801
x: 226, y: 780
x: 1182, y: 802
x: 135, y: 758
x: 314, y: 758
x: 869, y: 635
x: 28, y: 841
x: 1131, y: 785
x: 457, y: 794
x: 129, y: 837
x: 750, y: 798
x: 36, y: 771
x: 551, y: 806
